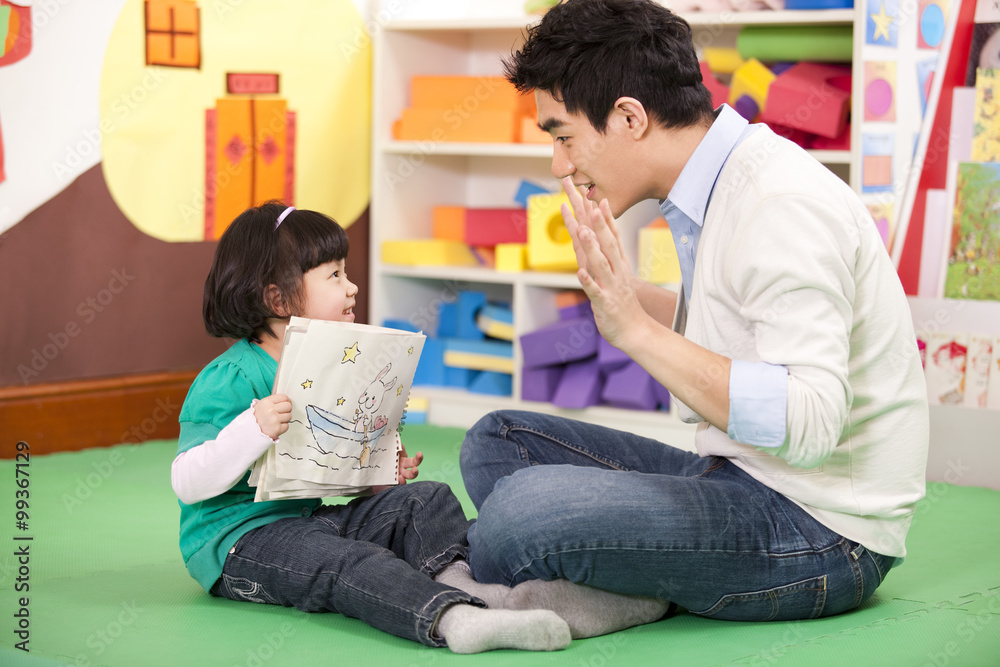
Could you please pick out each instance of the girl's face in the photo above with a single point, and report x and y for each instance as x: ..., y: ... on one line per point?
x: 328, y: 294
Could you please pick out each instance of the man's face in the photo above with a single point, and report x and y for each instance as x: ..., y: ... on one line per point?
x: 604, y: 163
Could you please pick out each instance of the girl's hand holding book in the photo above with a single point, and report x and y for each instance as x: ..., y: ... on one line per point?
x: 273, y: 414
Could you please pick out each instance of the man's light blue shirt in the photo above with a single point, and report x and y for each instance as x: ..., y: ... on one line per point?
x: 758, y: 391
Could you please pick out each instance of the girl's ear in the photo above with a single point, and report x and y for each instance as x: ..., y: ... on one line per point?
x: 275, y: 301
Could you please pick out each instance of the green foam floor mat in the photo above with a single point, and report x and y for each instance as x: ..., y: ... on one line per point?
x: 107, y: 587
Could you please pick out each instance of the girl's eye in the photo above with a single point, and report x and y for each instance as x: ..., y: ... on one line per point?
x: 335, y: 274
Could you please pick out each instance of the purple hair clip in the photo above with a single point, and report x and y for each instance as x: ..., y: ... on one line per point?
x: 284, y: 214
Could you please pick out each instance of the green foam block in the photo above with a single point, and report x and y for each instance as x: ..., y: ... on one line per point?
x: 795, y: 43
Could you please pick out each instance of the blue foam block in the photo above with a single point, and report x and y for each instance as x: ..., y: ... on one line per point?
x: 430, y: 367
x: 525, y: 190
x: 458, y: 377
x: 458, y: 319
x: 491, y: 382
x: 402, y: 325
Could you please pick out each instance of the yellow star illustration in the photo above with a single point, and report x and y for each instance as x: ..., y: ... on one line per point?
x: 410, y: 351
x: 307, y: 384
x: 882, y: 23
x: 399, y: 390
x: 340, y: 401
x: 350, y: 353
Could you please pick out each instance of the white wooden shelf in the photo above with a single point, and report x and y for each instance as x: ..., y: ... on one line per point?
x: 695, y: 19
x: 409, y: 178
x: 430, y: 148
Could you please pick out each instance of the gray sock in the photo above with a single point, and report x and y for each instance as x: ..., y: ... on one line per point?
x: 470, y: 629
x: 589, y: 611
x: 459, y: 575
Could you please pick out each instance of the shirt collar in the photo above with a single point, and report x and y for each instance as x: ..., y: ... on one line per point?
x: 694, y: 186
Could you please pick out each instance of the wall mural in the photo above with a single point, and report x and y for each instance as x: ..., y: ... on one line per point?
x: 218, y: 106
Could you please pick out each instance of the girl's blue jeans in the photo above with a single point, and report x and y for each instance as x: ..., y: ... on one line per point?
x: 371, y: 559
x: 559, y: 498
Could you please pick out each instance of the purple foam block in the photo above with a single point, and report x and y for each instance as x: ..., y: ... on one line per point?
x: 630, y: 387
x: 539, y: 384
x: 559, y: 343
x: 609, y: 356
x: 747, y: 107
x: 580, y: 386
x: 662, y: 395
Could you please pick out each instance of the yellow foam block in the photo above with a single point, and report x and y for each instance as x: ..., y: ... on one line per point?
x: 722, y: 61
x: 428, y: 252
x: 511, y: 256
x: 752, y: 78
x: 549, y: 245
x: 478, y: 362
x: 658, y: 262
x: 417, y: 403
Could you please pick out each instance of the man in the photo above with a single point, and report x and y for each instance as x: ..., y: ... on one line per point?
x: 790, y: 343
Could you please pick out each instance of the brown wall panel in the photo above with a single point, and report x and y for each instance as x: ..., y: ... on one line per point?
x: 84, y: 294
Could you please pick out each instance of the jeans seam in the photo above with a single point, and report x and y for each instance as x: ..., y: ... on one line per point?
x: 507, y: 428
x: 859, y: 582
x: 881, y: 575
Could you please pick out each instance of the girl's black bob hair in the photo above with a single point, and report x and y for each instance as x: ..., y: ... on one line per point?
x: 253, y: 254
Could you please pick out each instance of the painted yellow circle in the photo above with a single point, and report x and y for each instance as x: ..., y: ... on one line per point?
x: 153, y: 118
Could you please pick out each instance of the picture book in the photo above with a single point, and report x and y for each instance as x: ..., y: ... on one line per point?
x: 973, y: 261
x: 348, y: 384
x: 945, y: 368
x: 993, y: 381
x: 986, y: 124
x: 977, y: 370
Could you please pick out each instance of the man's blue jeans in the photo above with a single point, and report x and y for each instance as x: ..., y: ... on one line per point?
x: 370, y: 559
x: 559, y: 498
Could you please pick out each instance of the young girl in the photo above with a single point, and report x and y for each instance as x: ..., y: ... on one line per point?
x: 387, y: 559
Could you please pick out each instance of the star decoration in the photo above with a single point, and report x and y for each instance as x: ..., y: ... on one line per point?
x: 340, y: 401
x: 350, y: 353
x: 307, y: 384
x: 410, y: 351
x: 399, y: 390
x: 882, y: 23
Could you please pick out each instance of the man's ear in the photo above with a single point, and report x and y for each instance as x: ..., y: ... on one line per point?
x: 275, y: 301
x: 632, y: 114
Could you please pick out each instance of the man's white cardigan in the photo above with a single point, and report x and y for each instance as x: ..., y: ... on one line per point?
x: 792, y: 272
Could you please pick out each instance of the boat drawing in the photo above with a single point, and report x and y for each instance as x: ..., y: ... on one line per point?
x: 333, y: 432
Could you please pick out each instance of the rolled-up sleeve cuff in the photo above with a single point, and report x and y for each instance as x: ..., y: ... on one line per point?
x: 758, y: 401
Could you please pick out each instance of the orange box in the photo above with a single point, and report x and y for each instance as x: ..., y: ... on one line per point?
x: 485, y: 125
x: 570, y: 298
x: 448, y: 223
x: 465, y: 93
x: 530, y: 133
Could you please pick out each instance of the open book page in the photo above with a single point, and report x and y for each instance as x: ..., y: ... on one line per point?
x: 348, y: 384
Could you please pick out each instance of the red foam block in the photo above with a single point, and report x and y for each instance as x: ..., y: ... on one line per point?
x: 810, y: 97
x: 490, y: 226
